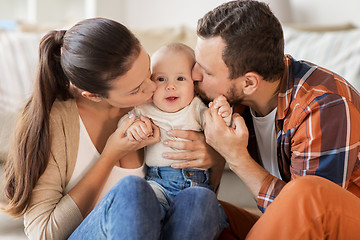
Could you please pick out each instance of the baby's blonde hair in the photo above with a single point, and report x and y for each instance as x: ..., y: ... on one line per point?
x: 177, y: 47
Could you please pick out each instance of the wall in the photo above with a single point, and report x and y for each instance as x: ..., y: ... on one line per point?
x: 325, y: 12
x: 134, y: 13
x: 156, y: 13
x: 163, y: 13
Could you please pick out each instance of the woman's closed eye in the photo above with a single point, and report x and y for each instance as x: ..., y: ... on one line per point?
x: 135, y: 91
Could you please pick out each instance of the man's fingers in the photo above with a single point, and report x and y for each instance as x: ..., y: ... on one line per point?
x: 189, y: 164
x: 181, y: 145
x: 215, y: 119
x: 185, y: 134
x: 238, y: 121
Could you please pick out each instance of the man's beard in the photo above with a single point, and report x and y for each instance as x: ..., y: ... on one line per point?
x: 231, y: 95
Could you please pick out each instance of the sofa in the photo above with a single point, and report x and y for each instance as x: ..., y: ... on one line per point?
x: 336, y: 48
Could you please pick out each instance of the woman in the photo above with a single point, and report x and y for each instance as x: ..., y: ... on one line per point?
x: 68, y: 152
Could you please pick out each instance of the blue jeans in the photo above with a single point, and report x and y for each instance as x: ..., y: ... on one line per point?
x: 168, y: 182
x: 131, y: 210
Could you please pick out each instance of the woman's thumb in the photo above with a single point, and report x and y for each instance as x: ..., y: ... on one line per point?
x: 127, y: 122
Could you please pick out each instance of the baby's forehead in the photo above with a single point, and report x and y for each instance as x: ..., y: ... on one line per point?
x: 167, y: 54
x: 176, y: 47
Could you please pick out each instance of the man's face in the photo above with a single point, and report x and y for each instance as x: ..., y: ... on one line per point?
x: 210, y: 73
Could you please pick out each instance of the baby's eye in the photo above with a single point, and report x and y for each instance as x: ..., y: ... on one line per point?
x: 181, y: 79
x: 161, y: 79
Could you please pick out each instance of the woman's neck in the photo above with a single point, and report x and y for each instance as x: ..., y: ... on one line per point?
x: 100, y: 119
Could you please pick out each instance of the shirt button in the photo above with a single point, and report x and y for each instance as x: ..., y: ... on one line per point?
x: 187, y: 174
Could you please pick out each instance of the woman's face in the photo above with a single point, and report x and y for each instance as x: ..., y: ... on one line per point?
x: 134, y: 87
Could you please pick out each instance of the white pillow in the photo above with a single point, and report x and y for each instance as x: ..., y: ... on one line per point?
x: 338, y: 51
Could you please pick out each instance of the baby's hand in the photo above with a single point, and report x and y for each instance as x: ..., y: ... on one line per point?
x: 223, y: 106
x: 140, y: 130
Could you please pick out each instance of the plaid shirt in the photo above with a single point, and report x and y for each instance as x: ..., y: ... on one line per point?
x: 318, y: 130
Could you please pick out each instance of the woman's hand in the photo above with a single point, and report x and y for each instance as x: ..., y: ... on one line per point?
x: 118, y: 145
x: 197, y: 153
x: 140, y: 130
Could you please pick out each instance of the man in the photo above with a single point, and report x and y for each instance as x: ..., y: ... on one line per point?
x: 299, y: 119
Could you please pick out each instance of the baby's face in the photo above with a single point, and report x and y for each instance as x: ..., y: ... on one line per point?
x: 171, y: 71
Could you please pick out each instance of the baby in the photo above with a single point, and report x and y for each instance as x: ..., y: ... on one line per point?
x: 174, y: 106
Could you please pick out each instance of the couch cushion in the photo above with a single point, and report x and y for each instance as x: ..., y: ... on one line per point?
x: 338, y: 51
x: 18, y: 60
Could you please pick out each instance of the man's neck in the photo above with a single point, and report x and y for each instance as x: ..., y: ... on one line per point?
x: 266, y: 98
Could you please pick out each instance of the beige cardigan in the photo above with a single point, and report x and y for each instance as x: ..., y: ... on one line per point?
x: 52, y: 214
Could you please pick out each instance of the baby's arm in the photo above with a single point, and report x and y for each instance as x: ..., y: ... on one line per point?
x: 140, y: 130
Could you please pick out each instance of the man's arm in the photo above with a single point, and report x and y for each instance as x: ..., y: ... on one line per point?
x: 319, y: 139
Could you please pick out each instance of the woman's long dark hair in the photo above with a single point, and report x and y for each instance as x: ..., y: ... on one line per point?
x: 89, y: 55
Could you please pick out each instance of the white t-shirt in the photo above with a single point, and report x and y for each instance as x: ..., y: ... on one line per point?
x: 86, y: 158
x: 266, y: 140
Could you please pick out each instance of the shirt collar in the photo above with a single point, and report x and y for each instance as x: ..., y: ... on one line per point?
x: 284, y: 96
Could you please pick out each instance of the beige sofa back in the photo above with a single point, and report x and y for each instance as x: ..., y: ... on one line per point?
x: 336, y: 50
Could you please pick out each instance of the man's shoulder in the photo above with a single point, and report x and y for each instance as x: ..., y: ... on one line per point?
x: 309, y: 81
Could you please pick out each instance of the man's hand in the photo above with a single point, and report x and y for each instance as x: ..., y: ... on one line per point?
x: 197, y: 153
x: 228, y: 141
x: 231, y: 143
